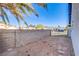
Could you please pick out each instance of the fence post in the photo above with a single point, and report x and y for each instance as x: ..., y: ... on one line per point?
x: 15, y: 37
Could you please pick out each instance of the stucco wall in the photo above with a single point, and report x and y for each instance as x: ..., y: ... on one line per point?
x: 17, y: 38
x: 75, y: 28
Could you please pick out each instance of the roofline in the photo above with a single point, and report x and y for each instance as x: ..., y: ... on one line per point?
x: 69, y: 13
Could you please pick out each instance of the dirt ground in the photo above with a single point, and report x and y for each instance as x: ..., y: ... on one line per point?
x: 52, y: 46
x: 57, y: 45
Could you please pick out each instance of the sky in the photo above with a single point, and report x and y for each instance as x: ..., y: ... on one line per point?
x: 56, y: 14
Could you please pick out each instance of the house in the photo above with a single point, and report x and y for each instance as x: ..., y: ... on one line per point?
x: 4, y: 26
x: 12, y: 27
x: 60, y: 29
x: 30, y: 27
x: 74, y: 26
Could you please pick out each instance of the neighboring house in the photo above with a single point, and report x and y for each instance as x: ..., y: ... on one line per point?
x: 46, y: 28
x: 61, y: 29
x: 12, y: 27
x: 28, y: 28
x: 4, y: 26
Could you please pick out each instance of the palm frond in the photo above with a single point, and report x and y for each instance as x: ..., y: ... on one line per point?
x: 6, y: 16
x: 2, y: 16
x: 18, y: 9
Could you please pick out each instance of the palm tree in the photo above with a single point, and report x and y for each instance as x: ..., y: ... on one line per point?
x: 17, y: 9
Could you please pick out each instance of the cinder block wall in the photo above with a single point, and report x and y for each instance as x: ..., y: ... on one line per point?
x: 7, y: 39
x: 17, y: 38
x: 24, y: 37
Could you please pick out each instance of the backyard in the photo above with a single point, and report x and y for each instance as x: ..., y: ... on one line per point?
x: 35, y: 29
x: 54, y: 45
